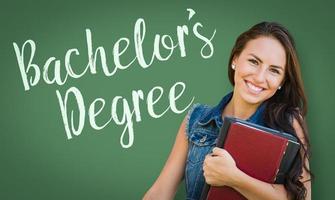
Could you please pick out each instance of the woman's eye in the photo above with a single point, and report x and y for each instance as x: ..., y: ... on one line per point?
x: 253, y: 61
x: 275, y: 71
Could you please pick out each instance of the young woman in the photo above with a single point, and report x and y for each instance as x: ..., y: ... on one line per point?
x: 268, y: 90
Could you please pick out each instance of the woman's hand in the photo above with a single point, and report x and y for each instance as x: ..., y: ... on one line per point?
x: 220, y: 168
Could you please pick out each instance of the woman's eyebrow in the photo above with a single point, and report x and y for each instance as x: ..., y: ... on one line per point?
x: 259, y: 60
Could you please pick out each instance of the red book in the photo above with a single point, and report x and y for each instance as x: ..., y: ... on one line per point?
x: 263, y: 153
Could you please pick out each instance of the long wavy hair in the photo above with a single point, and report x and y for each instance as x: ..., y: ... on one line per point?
x: 286, y: 104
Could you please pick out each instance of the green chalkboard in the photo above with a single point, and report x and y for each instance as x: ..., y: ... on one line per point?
x: 93, y: 92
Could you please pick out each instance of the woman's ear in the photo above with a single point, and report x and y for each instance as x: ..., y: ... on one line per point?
x: 234, y: 60
x: 281, y: 84
x: 233, y: 63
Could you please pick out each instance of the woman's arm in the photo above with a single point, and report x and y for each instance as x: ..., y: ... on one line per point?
x: 306, y: 177
x: 221, y: 170
x: 167, y: 183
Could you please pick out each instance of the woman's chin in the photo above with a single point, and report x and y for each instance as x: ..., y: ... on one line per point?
x: 252, y: 98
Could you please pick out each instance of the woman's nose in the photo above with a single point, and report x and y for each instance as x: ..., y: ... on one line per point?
x: 260, y: 75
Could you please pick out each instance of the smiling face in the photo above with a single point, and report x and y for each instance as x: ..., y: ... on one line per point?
x: 259, y: 70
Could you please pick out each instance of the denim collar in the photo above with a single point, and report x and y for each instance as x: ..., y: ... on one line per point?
x: 215, y: 113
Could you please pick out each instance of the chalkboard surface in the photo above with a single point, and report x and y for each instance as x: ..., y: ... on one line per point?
x: 93, y: 92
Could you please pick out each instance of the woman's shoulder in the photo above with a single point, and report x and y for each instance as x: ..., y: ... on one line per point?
x: 199, y: 109
x: 195, y: 113
x: 298, y: 123
x: 294, y: 114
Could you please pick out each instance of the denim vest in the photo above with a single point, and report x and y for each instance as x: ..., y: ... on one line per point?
x: 202, y: 129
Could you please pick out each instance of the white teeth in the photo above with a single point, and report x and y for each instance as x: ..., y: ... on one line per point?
x: 253, y: 87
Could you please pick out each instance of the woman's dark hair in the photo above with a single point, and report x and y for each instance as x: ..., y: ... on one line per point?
x: 286, y: 104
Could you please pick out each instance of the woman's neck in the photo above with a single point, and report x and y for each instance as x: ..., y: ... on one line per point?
x: 239, y: 108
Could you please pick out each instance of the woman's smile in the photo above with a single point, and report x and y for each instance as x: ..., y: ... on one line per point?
x: 253, y: 88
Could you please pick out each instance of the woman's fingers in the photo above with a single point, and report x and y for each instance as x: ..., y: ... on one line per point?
x: 218, y: 151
